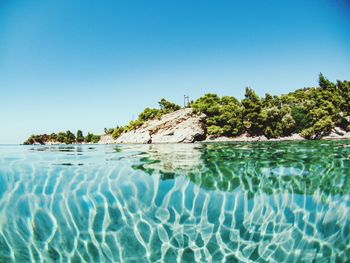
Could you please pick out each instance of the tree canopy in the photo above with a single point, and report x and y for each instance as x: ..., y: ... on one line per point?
x: 312, y: 112
x: 63, y: 137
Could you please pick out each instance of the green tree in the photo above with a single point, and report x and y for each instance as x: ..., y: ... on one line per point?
x: 325, y: 83
x: 53, y: 137
x: 61, y: 137
x: 321, y: 128
x: 301, y: 117
x: 80, y: 136
x: 88, y: 138
x: 95, y: 138
x: 224, y: 115
x: 167, y: 106
x: 108, y: 130
x: 70, y: 137
x: 252, y: 118
x: 117, y: 132
x: 149, y: 114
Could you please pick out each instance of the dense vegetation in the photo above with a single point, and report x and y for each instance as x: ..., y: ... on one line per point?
x: 63, y: 137
x: 312, y: 112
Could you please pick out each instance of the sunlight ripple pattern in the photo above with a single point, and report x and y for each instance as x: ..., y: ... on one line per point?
x: 224, y: 202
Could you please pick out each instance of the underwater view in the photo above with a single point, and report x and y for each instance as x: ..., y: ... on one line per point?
x: 203, y: 202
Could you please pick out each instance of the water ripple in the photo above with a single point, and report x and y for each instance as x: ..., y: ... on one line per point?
x: 234, y: 202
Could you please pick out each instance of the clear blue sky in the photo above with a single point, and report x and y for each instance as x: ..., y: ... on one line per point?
x: 93, y: 64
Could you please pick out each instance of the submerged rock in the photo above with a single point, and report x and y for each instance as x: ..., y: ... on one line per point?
x: 181, y: 126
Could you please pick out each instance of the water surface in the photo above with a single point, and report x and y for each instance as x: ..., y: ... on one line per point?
x: 220, y: 202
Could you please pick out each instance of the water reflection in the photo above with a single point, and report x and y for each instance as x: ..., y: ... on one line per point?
x: 298, y: 167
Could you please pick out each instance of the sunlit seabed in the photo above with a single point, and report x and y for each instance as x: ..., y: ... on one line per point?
x: 238, y: 202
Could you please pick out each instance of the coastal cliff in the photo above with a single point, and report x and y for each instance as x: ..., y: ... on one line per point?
x: 184, y: 126
x: 181, y: 126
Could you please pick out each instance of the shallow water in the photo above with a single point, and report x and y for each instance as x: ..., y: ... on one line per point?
x: 224, y: 202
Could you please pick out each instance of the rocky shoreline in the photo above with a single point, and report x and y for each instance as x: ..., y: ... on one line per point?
x: 107, y: 139
x: 184, y: 126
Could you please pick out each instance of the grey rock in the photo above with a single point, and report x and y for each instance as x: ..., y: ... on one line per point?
x: 333, y: 135
x: 339, y: 131
x: 346, y: 135
x: 136, y: 136
x: 106, y: 139
x: 182, y: 126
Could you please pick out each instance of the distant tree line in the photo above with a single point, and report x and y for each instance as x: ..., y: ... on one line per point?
x: 63, y: 137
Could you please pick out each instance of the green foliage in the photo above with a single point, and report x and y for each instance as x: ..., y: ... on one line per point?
x: 224, y: 115
x: 70, y: 138
x: 37, y: 139
x: 343, y: 88
x: 95, y: 138
x: 313, y: 112
x: 53, y: 137
x: 62, y: 137
x: 149, y: 114
x: 301, y: 118
x: 108, y: 130
x: 288, y: 124
x: 321, y: 128
x: 277, y: 121
x: 167, y: 106
x: 324, y: 83
x: 80, y: 136
x: 117, y: 132
x: 92, y: 138
x: 253, y: 117
x: 133, y: 125
x: 88, y: 138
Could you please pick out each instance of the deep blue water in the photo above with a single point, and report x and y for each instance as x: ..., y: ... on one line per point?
x: 223, y: 202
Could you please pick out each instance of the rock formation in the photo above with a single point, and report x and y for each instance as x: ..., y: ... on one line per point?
x: 106, y: 139
x: 182, y: 126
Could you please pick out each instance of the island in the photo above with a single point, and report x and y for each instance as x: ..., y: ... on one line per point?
x: 321, y: 112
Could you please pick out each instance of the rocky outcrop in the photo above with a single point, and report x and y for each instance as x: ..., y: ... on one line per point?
x: 181, y: 126
x: 337, y: 133
x: 347, y: 136
x: 106, y: 139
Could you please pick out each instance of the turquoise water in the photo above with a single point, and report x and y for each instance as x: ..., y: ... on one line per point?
x: 225, y: 202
